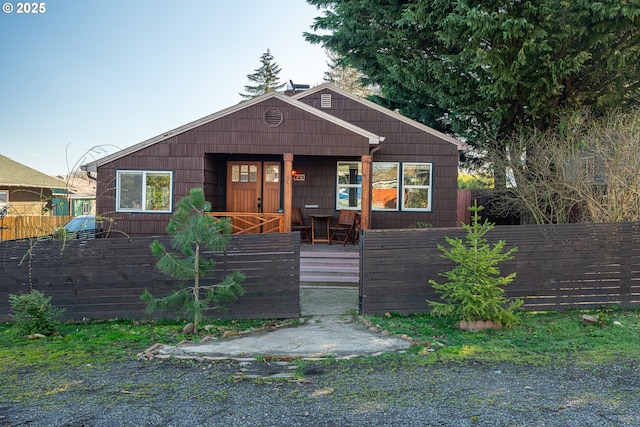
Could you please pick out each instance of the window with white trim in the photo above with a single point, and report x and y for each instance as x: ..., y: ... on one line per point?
x: 144, y: 191
x: 349, y: 185
x: 4, y: 198
x: 416, y: 186
x: 384, y: 186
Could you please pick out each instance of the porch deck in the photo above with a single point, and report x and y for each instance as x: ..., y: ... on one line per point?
x: 329, y: 265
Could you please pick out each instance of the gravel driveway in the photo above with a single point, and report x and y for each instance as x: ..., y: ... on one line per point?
x: 377, y: 391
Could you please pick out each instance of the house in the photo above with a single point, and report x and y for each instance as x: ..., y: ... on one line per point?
x: 82, y: 200
x: 321, y: 149
x: 27, y: 192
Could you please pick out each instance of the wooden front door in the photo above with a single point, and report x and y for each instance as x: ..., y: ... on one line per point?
x: 253, y: 187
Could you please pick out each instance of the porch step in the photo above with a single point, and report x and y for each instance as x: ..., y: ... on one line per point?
x: 329, y: 269
x: 329, y: 255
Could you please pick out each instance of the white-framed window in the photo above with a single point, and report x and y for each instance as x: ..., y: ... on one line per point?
x: 144, y: 191
x: 4, y: 198
x: 415, y: 186
x: 384, y: 186
x: 349, y: 185
x: 417, y: 190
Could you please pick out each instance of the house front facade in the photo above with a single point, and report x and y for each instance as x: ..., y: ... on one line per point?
x: 321, y: 150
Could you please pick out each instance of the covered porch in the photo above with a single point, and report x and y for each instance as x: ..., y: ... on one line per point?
x: 261, y: 195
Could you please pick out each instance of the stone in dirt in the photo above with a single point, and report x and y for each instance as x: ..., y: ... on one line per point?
x: 589, y: 320
x: 478, y: 325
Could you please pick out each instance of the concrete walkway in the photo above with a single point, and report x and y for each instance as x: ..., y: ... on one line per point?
x: 318, y: 337
x: 328, y: 301
x: 328, y: 328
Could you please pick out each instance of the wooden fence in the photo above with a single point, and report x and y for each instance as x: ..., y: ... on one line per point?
x: 557, y: 266
x: 104, y: 278
x: 23, y: 226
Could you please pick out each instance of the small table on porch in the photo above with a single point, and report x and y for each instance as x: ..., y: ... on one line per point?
x: 320, y: 218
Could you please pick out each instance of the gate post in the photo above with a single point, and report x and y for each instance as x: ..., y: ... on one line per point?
x: 365, y: 221
x: 288, y: 191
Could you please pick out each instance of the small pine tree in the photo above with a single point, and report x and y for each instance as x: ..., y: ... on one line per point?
x: 192, y: 232
x: 265, y: 78
x: 474, y: 290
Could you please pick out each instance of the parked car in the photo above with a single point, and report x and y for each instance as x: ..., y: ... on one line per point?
x: 82, y: 227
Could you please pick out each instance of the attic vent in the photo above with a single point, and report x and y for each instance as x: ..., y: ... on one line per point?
x: 325, y: 100
x: 273, y: 117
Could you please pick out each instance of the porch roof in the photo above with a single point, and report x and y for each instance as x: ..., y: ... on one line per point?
x: 372, y: 138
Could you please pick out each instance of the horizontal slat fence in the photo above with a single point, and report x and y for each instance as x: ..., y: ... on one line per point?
x: 568, y: 266
x: 21, y: 227
x: 104, y: 278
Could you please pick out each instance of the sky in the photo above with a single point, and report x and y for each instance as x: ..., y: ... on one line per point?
x: 86, y: 78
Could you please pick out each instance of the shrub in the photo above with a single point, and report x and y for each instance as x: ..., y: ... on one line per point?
x: 33, y: 313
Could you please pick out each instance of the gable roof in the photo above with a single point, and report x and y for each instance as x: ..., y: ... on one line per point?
x: 373, y: 138
x: 14, y: 174
x: 461, y: 145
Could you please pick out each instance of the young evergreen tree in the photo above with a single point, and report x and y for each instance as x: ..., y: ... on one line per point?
x: 474, y: 290
x: 193, y: 231
x: 265, y: 79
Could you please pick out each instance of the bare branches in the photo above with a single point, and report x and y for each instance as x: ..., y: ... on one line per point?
x: 585, y: 170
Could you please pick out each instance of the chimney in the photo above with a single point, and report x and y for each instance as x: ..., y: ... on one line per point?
x: 293, y: 88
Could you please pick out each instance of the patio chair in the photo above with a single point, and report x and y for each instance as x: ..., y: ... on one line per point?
x: 344, y: 230
x: 297, y: 224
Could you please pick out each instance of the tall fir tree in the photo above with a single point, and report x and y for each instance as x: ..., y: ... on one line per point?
x: 265, y: 78
x: 482, y: 70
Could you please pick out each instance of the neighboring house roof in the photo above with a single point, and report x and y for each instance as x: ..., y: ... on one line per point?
x: 373, y: 138
x: 83, y: 186
x: 14, y: 174
x: 461, y: 145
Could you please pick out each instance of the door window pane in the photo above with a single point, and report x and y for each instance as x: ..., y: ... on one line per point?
x: 244, y: 173
x: 272, y: 173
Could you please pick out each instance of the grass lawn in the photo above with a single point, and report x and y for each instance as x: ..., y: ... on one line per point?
x: 540, y: 338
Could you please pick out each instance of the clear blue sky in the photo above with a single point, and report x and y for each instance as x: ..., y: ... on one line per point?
x: 112, y: 73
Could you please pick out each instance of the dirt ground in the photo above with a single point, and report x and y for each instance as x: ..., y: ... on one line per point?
x: 383, y: 391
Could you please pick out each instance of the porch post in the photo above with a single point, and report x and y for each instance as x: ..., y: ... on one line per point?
x: 288, y: 191
x: 365, y: 221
